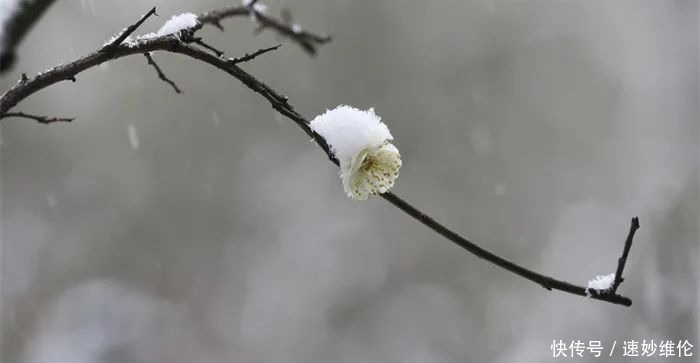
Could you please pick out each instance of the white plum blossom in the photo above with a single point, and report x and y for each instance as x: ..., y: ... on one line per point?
x: 369, y: 163
x: 601, y: 282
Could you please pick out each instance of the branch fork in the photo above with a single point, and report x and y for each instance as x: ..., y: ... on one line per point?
x: 612, y: 290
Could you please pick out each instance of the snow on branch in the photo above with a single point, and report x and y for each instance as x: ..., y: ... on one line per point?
x: 176, y: 32
x: 120, y: 37
x: 374, y: 133
x: 608, y: 284
x: 601, y: 282
x: 178, y: 23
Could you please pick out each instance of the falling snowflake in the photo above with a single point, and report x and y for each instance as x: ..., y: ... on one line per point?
x: 133, y: 136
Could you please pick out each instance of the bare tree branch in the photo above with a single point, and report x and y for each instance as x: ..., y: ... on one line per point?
x: 39, y: 119
x: 308, y: 41
x: 161, y: 75
x: 17, y: 26
x: 110, y: 52
x: 248, y: 57
x: 201, y: 43
x: 280, y: 103
x: 214, y: 17
x: 634, y: 226
x: 130, y: 29
x: 547, y: 282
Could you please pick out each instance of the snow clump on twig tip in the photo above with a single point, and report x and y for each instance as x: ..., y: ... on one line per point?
x: 369, y: 163
x: 601, y: 282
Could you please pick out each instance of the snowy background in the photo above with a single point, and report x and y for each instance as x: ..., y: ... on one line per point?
x: 206, y: 228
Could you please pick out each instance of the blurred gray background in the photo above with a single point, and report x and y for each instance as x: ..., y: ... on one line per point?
x: 535, y: 128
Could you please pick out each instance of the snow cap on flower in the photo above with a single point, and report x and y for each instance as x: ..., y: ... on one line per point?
x: 369, y: 163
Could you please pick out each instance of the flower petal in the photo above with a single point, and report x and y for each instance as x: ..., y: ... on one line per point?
x: 373, y: 171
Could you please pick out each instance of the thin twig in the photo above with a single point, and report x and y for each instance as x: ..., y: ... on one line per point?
x: 161, y: 75
x: 68, y: 71
x: 547, y: 282
x: 200, y: 42
x: 634, y: 226
x: 39, y: 119
x: 280, y: 103
x: 247, y: 57
x: 214, y: 17
x: 307, y: 40
x: 15, y: 27
x: 130, y: 29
